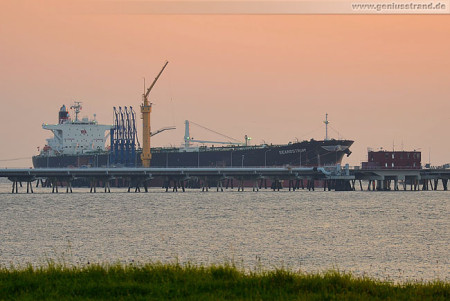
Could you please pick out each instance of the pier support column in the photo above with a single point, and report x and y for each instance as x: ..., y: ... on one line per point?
x: 107, y: 186
x: 145, y: 186
x: 30, y: 186
x: 15, y: 187
x: 372, y: 185
x: 276, y: 185
x: 396, y: 184
x: 241, y: 185
x: 310, y: 184
x: 424, y: 184
x: 379, y: 185
x: 444, y: 184
x: 297, y: 184
x: 205, y: 186
x: 219, y: 186
x: 54, y: 185
x: 175, y: 186
x: 255, y: 185
x: 69, y: 186
x: 93, y: 185
x: 436, y: 182
x: 166, y: 184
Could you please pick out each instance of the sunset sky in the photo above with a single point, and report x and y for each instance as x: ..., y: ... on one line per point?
x: 384, y: 80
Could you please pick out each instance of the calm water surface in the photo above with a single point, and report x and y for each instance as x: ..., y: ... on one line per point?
x: 395, y: 235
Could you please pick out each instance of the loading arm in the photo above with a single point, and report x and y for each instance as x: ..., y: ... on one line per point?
x: 167, y: 128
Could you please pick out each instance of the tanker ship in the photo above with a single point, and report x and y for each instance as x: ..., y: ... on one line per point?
x: 82, y: 143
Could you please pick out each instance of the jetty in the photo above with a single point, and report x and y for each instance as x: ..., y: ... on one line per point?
x: 331, y: 178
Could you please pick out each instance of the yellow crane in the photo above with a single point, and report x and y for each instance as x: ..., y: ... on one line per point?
x: 146, y: 109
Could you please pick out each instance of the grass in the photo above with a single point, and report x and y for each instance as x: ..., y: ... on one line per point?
x: 174, y: 281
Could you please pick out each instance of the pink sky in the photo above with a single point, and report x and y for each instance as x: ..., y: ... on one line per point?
x: 383, y: 80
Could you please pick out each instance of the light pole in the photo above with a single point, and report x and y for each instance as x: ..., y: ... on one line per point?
x: 301, y: 151
x: 231, y: 158
x: 198, y: 158
x: 265, y: 157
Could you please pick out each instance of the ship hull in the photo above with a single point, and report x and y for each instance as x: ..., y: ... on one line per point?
x: 306, y: 153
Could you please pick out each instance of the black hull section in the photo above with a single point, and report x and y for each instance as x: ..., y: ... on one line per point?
x: 306, y: 153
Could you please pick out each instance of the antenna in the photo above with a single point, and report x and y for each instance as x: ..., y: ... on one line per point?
x: 326, y: 126
x: 429, y: 156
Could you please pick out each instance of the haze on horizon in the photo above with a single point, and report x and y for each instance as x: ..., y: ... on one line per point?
x: 383, y: 80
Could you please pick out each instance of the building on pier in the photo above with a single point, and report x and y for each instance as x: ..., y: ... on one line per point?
x: 392, y: 160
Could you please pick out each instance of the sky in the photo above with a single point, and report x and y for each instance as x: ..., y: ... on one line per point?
x: 384, y: 80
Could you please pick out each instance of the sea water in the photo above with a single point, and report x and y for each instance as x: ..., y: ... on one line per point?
x: 398, y: 236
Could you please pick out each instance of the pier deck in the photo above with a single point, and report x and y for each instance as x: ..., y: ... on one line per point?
x: 331, y: 178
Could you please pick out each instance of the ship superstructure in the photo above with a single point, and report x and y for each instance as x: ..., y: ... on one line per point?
x: 75, y: 137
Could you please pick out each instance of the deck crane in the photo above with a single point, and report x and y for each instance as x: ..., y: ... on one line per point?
x: 146, y: 109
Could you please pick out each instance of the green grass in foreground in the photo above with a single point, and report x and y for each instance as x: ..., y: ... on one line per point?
x: 174, y: 281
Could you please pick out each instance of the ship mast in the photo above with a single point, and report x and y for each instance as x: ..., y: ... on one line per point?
x: 326, y: 126
x: 77, y: 107
x: 146, y: 109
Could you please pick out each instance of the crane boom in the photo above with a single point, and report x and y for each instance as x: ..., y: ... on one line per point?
x: 156, y: 79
